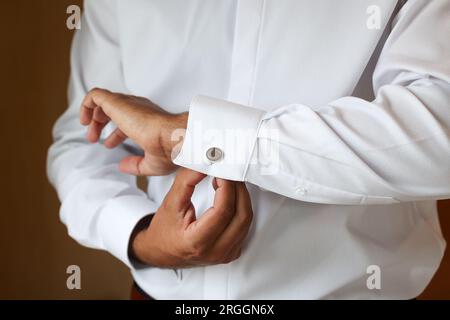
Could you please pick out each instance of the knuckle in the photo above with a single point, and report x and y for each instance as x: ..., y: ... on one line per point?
x: 96, y: 90
x: 115, y: 98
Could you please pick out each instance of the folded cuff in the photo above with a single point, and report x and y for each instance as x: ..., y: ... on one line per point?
x: 117, y: 221
x: 220, y: 138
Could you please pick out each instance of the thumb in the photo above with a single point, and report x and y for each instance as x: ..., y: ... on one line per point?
x: 132, y: 165
x: 183, y: 187
x: 148, y: 165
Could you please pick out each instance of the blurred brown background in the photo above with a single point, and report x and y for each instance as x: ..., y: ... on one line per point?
x: 35, y: 249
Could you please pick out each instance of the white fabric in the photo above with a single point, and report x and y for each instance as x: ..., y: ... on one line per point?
x: 341, y: 176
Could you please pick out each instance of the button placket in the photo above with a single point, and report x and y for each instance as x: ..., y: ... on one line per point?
x: 243, y: 65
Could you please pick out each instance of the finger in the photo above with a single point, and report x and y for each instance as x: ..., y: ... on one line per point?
x: 100, y: 116
x: 115, y: 138
x: 225, y: 197
x: 130, y: 114
x: 127, y: 113
x: 206, y: 230
x: 189, y: 216
x: 98, y: 122
x: 238, y: 228
x: 214, y: 183
x: 93, y: 99
x: 96, y: 98
x: 94, y: 131
x: 86, y: 115
x: 183, y: 187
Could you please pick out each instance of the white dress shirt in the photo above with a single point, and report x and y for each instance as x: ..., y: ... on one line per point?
x: 335, y: 113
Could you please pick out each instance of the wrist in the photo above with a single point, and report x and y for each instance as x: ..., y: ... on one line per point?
x: 173, y: 133
x: 146, y: 248
x: 139, y: 250
x: 136, y: 247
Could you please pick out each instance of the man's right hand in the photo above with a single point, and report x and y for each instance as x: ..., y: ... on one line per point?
x: 139, y: 119
x: 176, y: 239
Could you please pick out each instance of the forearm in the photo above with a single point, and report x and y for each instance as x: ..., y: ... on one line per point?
x: 99, y: 205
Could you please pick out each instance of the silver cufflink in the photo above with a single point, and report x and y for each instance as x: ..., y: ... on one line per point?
x: 214, y: 154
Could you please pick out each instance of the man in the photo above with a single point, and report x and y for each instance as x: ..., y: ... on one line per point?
x: 340, y: 186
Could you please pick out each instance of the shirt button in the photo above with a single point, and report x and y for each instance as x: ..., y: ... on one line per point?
x: 301, y: 191
x: 214, y: 154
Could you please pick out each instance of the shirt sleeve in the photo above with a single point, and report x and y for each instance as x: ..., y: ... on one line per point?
x: 100, y: 205
x: 349, y: 151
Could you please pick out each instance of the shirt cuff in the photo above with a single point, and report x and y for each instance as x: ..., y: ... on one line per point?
x: 117, y: 221
x: 220, y: 138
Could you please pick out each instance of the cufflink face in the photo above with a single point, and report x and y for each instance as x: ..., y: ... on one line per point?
x: 214, y: 154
